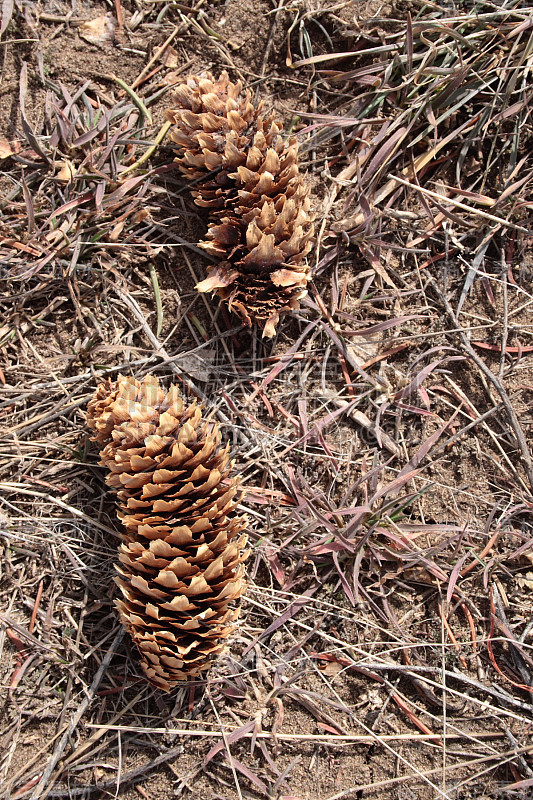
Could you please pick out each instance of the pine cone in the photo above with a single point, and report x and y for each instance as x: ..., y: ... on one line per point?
x: 248, y: 178
x: 180, y: 559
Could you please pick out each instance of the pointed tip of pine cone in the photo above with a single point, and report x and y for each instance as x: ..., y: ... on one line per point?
x: 181, y: 560
x: 260, y: 225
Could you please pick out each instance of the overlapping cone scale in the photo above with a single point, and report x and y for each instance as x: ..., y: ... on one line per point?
x: 180, y: 562
x: 246, y: 174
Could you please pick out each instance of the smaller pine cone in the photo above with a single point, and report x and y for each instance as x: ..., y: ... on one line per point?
x: 248, y: 178
x: 182, y: 551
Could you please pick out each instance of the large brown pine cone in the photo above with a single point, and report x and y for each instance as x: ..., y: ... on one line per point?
x: 246, y: 174
x: 180, y: 559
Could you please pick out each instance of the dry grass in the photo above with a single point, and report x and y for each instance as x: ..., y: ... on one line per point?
x: 385, y: 434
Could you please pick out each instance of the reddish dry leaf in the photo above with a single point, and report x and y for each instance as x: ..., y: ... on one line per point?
x: 454, y: 576
x: 275, y: 564
x: 15, y: 640
x: 244, y: 770
x: 329, y: 728
x: 525, y: 784
x: 497, y: 348
x: 256, y: 494
x: 20, y: 670
x: 391, y: 488
x: 418, y: 380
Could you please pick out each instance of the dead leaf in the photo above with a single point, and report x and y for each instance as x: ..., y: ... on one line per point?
x: 67, y: 171
x: 171, y: 78
x: 527, y: 582
x: 7, y: 149
x: 198, y: 366
x: 170, y: 57
x: 99, y: 31
x: 331, y: 669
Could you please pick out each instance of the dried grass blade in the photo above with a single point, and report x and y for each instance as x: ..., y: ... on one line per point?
x: 123, y: 189
x: 403, y: 477
x: 28, y: 132
x: 289, y: 612
x: 230, y: 738
x: 463, y: 206
x: 7, y: 12
x: 409, y: 41
x: 158, y: 303
x: 383, y: 326
x: 345, y: 585
x: 454, y: 577
x: 472, y: 272
x: 525, y: 784
x: 283, y: 363
x: 30, y: 211
x: 324, y: 57
x: 384, y: 154
x: 88, y: 136
x: 419, y: 379
x: 250, y: 775
x: 427, y: 445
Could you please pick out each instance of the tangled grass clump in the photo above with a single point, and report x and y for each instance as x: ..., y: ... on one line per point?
x: 70, y: 198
